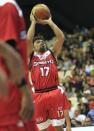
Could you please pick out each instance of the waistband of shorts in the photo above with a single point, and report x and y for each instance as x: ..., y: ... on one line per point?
x: 46, y: 89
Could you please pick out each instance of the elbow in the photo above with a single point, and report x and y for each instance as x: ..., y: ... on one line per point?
x: 61, y: 38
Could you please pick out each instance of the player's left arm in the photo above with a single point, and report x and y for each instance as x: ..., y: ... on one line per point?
x: 67, y: 119
x: 57, y: 46
x: 66, y: 108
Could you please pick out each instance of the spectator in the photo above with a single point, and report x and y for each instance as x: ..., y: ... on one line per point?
x: 91, y: 112
x: 78, y: 118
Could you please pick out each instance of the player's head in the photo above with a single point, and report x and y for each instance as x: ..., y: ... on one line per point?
x: 39, y: 44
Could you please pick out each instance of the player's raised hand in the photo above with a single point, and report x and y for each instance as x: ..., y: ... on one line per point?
x: 32, y: 18
x: 44, y: 22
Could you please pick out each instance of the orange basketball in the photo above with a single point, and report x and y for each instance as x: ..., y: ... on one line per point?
x: 41, y: 11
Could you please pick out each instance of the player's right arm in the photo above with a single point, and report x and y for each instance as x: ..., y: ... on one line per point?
x: 30, y: 34
x: 57, y: 46
x: 13, y: 61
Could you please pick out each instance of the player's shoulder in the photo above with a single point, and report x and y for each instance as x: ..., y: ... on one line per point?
x: 11, y: 6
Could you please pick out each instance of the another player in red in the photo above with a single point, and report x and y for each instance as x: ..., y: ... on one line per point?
x: 16, y: 112
x: 51, y: 102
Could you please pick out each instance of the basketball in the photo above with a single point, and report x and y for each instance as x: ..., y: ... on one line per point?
x: 41, y: 11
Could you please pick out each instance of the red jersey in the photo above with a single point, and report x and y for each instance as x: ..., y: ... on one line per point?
x: 44, y: 72
x: 12, y: 27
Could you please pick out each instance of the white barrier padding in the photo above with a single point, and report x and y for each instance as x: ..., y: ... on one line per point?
x: 90, y: 128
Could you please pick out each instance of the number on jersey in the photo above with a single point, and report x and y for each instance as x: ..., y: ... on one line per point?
x: 60, y: 113
x: 44, y: 71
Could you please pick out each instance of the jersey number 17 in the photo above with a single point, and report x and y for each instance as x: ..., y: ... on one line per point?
x: 44, y: 71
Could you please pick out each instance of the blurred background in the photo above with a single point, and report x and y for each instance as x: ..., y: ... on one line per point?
x: 66, y: 13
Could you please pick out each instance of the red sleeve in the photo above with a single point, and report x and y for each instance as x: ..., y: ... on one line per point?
x: 8, y: 22
x: 12, y: 27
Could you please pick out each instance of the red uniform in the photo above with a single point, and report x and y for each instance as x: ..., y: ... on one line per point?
x: 51, y: 128
x: 12, y: 27
x: 50, y: 101
x: 44, y: 71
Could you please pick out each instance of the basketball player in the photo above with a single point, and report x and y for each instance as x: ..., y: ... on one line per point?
x: 51, y: 103
x: 16, y: 112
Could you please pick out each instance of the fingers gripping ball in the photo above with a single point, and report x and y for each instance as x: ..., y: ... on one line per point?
x: 41, y: 11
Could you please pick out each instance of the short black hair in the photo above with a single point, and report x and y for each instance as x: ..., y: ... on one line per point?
x: 39, y: 37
